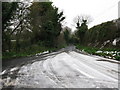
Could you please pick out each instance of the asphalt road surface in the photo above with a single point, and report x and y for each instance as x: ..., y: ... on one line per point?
x: 64, y: 69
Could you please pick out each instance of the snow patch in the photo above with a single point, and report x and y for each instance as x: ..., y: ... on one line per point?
x: 3, y: 72
x: 114, y: 42
x: 99, y: 51
x: 14, y: 69
x: 45, y: 52
x: 106, y: 42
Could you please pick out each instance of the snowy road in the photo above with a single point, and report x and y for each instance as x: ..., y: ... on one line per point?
x: 68, y: 70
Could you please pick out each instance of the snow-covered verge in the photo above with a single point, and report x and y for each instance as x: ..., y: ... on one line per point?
x: 66, y: 70
x: 45, y: 52
x: 109, y: 54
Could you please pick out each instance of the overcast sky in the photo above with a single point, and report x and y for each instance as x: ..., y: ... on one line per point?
x: 100, y: 10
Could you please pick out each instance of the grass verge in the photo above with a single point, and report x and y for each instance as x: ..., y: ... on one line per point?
x: 110, y: 53
x: 30, y: 51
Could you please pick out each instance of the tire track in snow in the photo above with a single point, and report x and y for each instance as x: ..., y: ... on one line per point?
x: 65, y: 71
x: 94, y: 80
x: 97, y: 65
x: 51, y: 76
x: 94, y: 70
x: 77, y: 76
x: 56, y: 75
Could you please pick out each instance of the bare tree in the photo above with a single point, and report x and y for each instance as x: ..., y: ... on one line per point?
x: 78, y: 20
